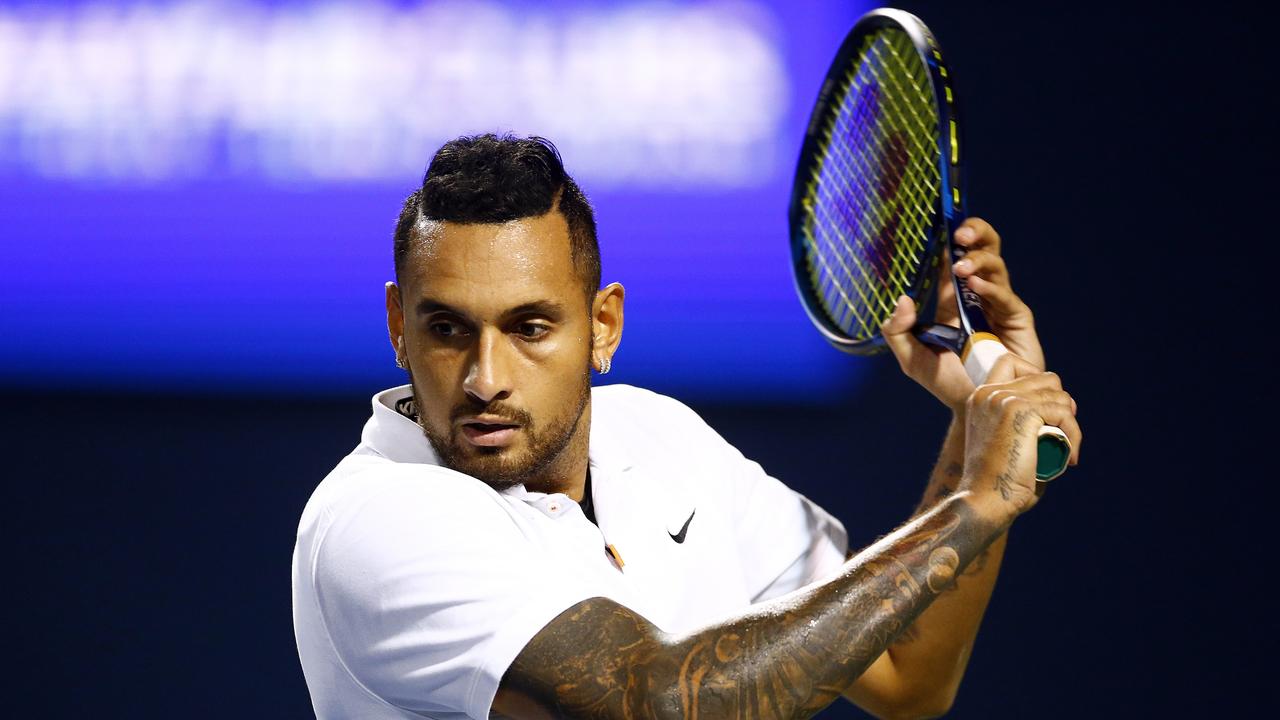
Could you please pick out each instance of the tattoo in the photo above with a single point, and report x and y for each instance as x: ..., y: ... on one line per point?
x: 979, y: 563
x: 942, y: 485
x: 784, y: 659
x: 942, y: 569
x: 1005, y: 481
x: 946, y: 486
x: 909, y: 635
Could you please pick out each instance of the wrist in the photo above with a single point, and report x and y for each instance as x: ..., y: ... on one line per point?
x: 955, y: 404
x: 992, y: 515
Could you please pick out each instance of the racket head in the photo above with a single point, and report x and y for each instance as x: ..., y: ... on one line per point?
x: 877, y: 187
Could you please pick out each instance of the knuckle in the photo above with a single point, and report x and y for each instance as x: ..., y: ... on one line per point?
x: 1005, y: 400
x: 991, y: 396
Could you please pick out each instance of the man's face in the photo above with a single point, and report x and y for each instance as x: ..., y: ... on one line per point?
x: 497, y: 334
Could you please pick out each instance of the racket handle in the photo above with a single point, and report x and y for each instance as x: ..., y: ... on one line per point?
x: 1053, y: 449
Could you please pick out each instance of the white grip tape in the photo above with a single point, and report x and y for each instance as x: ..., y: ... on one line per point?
x: 980, y: 355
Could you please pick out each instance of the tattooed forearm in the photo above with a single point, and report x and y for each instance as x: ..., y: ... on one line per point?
x: 785, y: 659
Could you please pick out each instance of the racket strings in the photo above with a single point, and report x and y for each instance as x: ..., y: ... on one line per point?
x: 882, y: 146
x: 843, y: 247
x: 870, y: 200
x: 898, y: 270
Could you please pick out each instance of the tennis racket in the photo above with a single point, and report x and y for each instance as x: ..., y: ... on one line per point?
x: 877, y: 197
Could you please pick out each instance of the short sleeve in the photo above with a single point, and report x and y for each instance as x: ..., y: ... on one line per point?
x: 428, y: 592
x: 789, y: 540
x: 784, y: 540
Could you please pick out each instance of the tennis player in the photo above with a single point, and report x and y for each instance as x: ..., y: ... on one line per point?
x: 508, y: 540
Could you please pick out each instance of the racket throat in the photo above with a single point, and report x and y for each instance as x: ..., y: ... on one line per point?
x: 978, y: 351
x: 945, y: 337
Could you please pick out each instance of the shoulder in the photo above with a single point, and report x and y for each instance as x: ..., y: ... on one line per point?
x: 677, y: 450
x: 367, y: 499
x: 643, y: 414
x: 362, y: 479
x: 637, y: 399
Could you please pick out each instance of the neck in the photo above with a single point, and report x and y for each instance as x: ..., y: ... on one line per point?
x: 567, y: 474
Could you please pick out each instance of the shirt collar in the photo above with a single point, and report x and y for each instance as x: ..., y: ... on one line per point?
x: 394, y: 436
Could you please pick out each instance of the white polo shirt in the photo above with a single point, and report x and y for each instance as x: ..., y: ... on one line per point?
x: 415, y: 586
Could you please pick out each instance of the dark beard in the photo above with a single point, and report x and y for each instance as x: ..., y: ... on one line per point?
x: 488, y: 464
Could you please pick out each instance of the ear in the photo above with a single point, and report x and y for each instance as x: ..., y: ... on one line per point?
x: 606, y: 325
x: 395, y: 319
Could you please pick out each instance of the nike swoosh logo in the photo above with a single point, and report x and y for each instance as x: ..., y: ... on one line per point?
x: 679, y: 537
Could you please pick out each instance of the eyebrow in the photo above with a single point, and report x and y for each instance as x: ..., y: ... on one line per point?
x: 427, y: 306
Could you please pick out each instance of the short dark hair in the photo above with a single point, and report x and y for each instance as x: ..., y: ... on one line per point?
x: 496, y: 178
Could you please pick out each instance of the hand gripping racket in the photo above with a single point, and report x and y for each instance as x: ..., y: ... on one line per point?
x: 877, y: 197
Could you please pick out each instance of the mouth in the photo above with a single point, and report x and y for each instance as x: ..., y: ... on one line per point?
x: 489, y: 432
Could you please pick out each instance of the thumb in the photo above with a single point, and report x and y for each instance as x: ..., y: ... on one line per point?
x: 897, y: 332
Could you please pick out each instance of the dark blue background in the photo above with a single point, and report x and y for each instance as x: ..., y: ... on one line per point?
x: 253, y: 277
x: 1122, y: 155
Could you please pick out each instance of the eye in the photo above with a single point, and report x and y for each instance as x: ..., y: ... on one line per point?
x: 446, y: 329
x: 532, y: 330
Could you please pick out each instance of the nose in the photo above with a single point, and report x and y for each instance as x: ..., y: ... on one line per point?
x: 488, y: 378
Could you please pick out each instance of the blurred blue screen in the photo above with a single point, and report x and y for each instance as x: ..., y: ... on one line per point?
x: 200, y: 195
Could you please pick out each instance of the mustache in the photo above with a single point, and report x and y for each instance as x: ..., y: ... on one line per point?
x: 509, y: 413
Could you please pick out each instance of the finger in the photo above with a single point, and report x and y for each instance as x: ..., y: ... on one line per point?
x: 1039, y: 381
x: 983, y: 264
x: 1054, y: 408
x: 1058, y: 414
x: 977, y: 233
x: 1010, y: 367
x: 897, y: 332
x: 1033, y: 386
x: 1054, y: 394
x: 999, y: 300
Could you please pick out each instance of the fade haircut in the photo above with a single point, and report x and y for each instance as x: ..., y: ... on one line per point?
x: 497, y: 178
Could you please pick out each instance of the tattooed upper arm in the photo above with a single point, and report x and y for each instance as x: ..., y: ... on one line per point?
x: 595, y: 660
